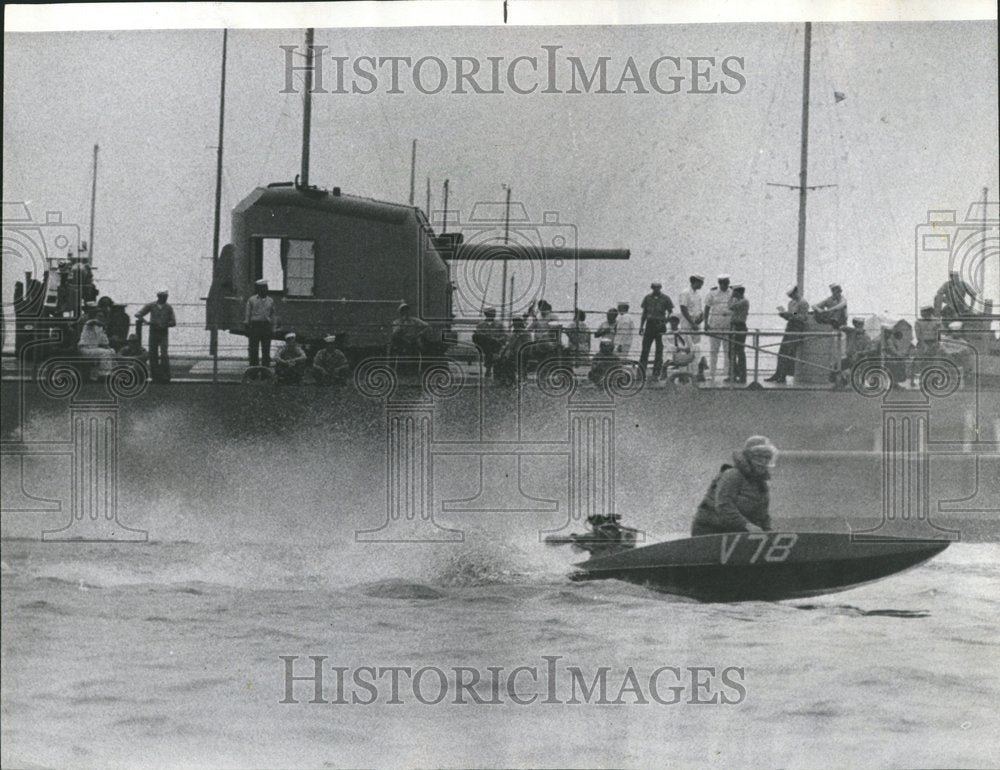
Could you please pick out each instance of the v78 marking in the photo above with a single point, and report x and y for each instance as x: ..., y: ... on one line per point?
x: 780, y: 545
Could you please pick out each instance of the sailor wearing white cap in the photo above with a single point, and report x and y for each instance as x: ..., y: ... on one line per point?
x: 261, y: 320
x: 290, y: 363
x: 795, y: 316
x: 833, y: 310
x: 717, y: 321
x: 692, y: 307
x: 329, y: 366
x: 161, y: 319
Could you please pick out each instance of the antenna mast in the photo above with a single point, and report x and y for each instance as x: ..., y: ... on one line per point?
x: 307, y: 109
x: 800, y: 266
x: 444, y: 223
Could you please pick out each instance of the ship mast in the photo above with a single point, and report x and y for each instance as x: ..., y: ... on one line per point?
x: 803, y: 186
x: 307, y: 109
x: 214, y: 335
x: 800, y: 266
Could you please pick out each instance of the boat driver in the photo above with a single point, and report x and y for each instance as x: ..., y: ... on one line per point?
x: 739, y: 496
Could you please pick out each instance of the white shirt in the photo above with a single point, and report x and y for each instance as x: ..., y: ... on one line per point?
x: 624, y: 334
x: 694, y: 301
x: 92, y: 336
x: 718, y: 302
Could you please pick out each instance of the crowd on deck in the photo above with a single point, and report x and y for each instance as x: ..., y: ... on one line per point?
x: 702, y: 337
x: 674, y: 335
x: 105, y: 337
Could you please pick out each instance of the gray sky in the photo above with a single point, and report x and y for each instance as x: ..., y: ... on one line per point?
x: 678, y: 179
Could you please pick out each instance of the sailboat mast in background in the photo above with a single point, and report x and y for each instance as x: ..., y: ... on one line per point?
x: 413, y: 171
x: 93, y: 204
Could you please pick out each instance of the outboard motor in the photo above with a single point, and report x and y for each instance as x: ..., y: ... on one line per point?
x: 607, y: 535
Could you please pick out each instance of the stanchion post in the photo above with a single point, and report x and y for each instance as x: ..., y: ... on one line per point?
x: 756, y: 354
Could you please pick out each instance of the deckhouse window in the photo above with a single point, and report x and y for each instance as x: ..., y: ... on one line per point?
x: 288, y: 264
x: 299, y: 261
x: 269, y: 263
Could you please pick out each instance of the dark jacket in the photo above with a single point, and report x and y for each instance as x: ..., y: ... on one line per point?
x: 736, y: 496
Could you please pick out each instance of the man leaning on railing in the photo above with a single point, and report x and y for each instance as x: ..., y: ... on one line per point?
x: 795, y: 316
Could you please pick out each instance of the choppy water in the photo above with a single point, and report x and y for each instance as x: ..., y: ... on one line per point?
x: 168, y: 653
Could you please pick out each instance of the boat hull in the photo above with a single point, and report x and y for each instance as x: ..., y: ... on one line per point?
x: 765, y: 566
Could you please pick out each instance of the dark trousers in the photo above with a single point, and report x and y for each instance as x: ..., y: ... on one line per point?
x: 738, y: 352
x: 288, y: 374
x: 652, y: 334
x: 789, y: 348
x: 159, y: 357
x: 259, y: 334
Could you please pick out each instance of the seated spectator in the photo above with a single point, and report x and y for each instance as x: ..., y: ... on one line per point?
x: 579, y: 338
x: 489, y: 337
x: 896, y: 348
x: 608, y: 330
x: 546, y: 332
x: 859, y: 346
x: 133, y: 349
x: 118, y: 326
x: 94, y: 344
x: 832, y: 310
x: 927, y: 329
x: 290, y: 364
x: 602, y: 363
x: 329, y: 366
x: 511, y: 364
x: 955, y: 299
x: 679, y: 357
